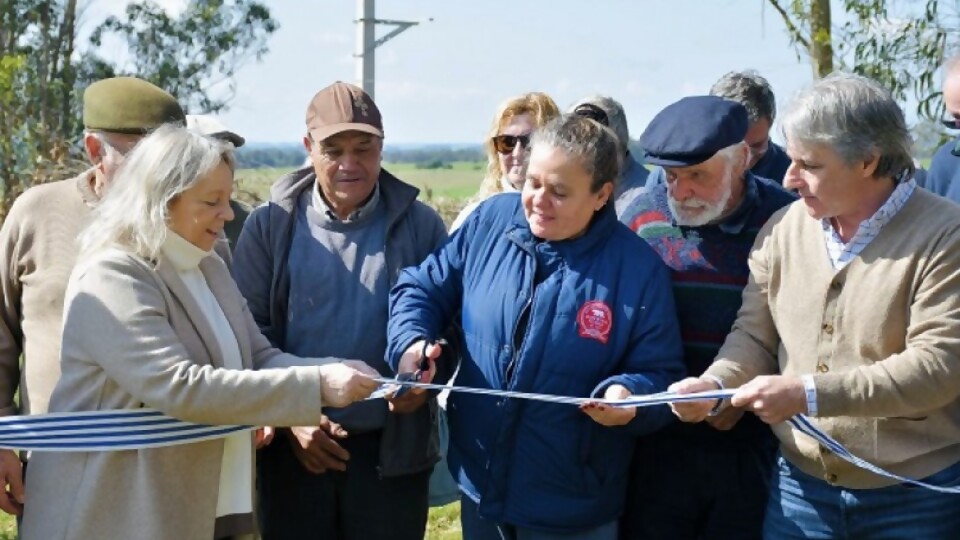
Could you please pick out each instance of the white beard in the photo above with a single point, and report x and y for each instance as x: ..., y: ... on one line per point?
x: 696, y: 212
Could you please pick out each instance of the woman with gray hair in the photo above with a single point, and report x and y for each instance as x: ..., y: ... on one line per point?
x: 850, y: 317
x: 153, y: 319
x: 555, y: 296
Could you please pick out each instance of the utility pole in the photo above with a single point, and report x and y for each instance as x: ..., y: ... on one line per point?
x: 367, y: 42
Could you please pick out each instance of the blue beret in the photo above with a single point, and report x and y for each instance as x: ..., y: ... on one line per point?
x: 692, y: 130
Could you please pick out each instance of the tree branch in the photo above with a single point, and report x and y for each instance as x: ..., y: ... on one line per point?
x: 792, y: 28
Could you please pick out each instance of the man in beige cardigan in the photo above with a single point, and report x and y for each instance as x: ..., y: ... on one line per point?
x: 851, y: 317
x: 38, y: 251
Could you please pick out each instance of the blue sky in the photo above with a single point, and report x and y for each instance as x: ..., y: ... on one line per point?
x: 441, y: 82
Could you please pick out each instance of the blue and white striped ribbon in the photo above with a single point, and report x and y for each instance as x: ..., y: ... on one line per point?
x: 95, y: 431
x: 800, y: 422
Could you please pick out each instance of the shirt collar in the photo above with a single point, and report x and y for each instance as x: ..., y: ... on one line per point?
x: 321, y: 204
x: 886, y: 212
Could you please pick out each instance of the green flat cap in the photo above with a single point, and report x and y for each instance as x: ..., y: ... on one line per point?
x: 128, y: 105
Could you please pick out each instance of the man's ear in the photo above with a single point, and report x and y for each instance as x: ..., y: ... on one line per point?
x: 869, y: 166
x: 94, y: 149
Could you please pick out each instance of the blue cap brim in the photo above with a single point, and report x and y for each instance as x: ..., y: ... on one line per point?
x: 675, y: 161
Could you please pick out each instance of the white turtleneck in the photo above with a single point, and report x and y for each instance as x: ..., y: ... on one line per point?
x: 236, y: 473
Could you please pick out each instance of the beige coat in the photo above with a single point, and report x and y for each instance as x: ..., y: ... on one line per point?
x: 135, y: 337
x: 881, y: 338
x: 38, y: 248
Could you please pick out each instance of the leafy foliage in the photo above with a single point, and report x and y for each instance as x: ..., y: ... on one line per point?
x: 44, y: 68
x: 901, y: 44
x: 195, y: 52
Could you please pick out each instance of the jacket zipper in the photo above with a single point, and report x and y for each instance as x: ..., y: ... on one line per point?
x: 511, y: 367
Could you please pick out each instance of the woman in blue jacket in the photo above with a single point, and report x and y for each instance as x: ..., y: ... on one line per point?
x: 555, y: 296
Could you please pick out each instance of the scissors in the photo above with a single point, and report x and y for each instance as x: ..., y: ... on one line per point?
x: 422, y: 367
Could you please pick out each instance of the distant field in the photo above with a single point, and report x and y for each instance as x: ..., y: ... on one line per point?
x: 447, y: 190
x: 456, y: 183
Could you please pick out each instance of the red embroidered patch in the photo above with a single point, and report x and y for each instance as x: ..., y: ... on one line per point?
x: 595, y: 321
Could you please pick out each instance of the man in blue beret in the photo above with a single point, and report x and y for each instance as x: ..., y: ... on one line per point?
x: 750, y: 89
x: 693, y: 481
x: 38, y: 248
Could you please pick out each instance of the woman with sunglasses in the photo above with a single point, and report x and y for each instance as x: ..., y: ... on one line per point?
x: 556, y: 297
x: 508, y: 146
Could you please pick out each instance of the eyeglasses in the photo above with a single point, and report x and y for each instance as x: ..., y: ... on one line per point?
x: 950, y: 122
x: 591, y: 111
x: 505, y: 144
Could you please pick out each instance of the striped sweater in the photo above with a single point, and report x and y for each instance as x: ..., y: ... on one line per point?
x: 708, y: 264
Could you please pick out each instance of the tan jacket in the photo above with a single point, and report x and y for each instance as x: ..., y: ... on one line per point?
x: 134, y: 336
x: 38, y: 249
x: 881, y: 337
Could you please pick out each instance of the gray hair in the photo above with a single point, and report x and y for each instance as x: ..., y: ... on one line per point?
x: 133, y: 213
x: 858, y: 118
x: 615, y: 116
x: 732, y: 153
x: 749, y: 89
x: 593, y: 144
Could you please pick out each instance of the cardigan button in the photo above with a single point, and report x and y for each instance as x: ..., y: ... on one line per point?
x: 822, y: 368
x: 828, y: 328
x: 831, y: 478
x: 836, y: 284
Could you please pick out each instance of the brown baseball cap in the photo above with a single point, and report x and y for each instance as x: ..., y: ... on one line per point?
x: 342, y: 107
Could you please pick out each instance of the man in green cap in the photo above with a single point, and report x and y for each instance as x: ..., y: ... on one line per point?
x: 38, y: 250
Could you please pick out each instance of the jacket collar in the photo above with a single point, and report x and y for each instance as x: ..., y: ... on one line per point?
x: 217, y: 277
x: 735, y: 222
x: 601, y: 227
x: 395, y: 195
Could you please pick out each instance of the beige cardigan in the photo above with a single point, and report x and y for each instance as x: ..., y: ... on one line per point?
x: 134, y: 336
x: 881, y: 338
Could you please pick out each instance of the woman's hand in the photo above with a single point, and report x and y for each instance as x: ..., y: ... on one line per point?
x: 609, y: 415
x: 346, y: 382
x: 410, y: 362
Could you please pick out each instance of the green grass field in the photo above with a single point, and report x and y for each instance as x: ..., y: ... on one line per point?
x: 457, y: 183
x: 447, y: 190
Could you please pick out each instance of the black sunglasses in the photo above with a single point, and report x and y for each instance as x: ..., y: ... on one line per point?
x: 505, y: 144
x: 950, y: 122
x: 591, y: 111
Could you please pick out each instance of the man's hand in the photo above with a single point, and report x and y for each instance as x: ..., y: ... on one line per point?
x: 693, y: 411
x: 346, y: 382
x: 11, y: 475
x: 264, y: 436
x: 410, y: 362
x: 774, y: 398
x: 408, y: 402
x: 316, y: 448
x: 608, y: 415
x: 727, y: 418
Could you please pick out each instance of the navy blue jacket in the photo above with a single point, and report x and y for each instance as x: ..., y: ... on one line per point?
x: 943, y: 178
x: 600, y: 311
x: 773, y: 165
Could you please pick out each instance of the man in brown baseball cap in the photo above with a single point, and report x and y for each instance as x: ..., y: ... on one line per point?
x: 316, y: 264
x: 38, y: 248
